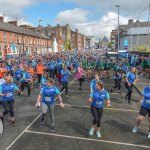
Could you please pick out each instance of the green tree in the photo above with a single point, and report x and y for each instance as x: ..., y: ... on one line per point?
x: 68, y: 45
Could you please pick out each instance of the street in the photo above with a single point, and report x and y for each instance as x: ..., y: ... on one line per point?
x: 73, y: 123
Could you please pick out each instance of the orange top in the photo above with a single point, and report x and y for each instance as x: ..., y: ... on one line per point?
x: 40, y: 69
x: 3, y: 70
x: 1, y: 75
x: 31, y: 71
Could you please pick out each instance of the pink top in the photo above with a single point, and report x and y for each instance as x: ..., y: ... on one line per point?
x: 79, y: 73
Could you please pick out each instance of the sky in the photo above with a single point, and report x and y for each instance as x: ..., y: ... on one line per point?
x: 91, y: 17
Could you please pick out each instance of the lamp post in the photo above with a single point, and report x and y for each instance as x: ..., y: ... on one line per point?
x: 40, y: 34
x: 117, y: 6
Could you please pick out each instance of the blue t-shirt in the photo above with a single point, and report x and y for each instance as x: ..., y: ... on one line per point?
x: 9, y: 89
x: 18, y: 74
x: 131, y: 77
x: 48, y: 94
x: 99, y: 98
x: 26, y: 76
x: 146, y: 95
x: 65, y: 74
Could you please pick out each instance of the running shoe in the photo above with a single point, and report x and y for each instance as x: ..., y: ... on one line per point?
x: 148, y: 135
x: 98, y: 134
x: 13, y: 123
x: 52, y: 129
x: 91, y: 132
x: 67, y: 96
x: 135, y: 129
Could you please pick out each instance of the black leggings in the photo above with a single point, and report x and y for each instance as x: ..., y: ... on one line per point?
x: 117, y: 84
x: 129, y: 88
x: 65, y: 86
x: 39, y: 78
x: 51, y: 73
x: 26, y: 84
x: 81, y: 80
x: 8, y: 108
x: 97, y: 115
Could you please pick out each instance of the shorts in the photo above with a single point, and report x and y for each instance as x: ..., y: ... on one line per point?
x: 144, y: 111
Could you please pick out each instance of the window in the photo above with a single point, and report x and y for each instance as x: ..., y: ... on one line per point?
x: 15, y: 38
x: 10, y: 37
x: 5, y: 38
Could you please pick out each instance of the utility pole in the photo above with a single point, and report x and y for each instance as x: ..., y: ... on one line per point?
x: 118, y: 6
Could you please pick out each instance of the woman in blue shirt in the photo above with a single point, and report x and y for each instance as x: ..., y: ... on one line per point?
x: 144, y: 110
x: 130, y: 80
x: 97, y: 99
x: 65, y: 73
x: 93, y: 82
x: 47, y: 96
x: 26, y: 78
x: 7, y: 91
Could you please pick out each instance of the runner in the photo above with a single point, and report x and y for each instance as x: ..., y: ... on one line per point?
x: 26, y: 78
x: 7, y: 98
x: 97, y: 99
x: 144, y: 110
x: 65, y: 73
x: 94, y: 81
x: 47, y: 95
x: 130, y: 80
x: 117, y: 79
x: 79, y: 74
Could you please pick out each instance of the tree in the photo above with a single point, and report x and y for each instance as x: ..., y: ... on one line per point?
x: 68, y: 45
x: 110, y: 45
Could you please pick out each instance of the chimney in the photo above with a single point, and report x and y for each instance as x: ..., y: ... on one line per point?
x: 25, y: 26
x: 130, y: 21
x: 1, y: 19
x: 32, y: 29
x: 13, y: 23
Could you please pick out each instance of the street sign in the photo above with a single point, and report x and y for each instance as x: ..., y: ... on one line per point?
x: 125, y: 43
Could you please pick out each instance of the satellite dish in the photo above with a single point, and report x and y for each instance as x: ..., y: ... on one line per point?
x: 1, y: 128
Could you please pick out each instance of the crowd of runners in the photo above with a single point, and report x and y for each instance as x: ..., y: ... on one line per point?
x: 44, y: 71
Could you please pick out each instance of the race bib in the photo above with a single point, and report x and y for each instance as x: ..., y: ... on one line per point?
x: 9, y: 94
x: 47, y: 99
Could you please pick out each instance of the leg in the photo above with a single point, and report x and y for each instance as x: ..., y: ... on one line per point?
x: 51, y: 112
x: 63, y: 84
x: 66, y: 86
x: 29, y: 89
x: 44, y: 111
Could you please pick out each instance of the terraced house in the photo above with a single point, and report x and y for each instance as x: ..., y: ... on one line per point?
x: 23, y: 39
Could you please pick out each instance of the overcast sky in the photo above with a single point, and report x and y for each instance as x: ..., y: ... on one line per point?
x: 91, y: 17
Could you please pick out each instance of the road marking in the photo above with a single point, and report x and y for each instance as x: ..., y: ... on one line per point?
x: 89, y: 83
x: 31, y: 123
x: 87, y: 139
x: 113, y: 109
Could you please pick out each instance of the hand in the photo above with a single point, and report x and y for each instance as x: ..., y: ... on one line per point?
x: 37, y: 104
x: 61, y: 104
x: 90, y: 100
x: 108, y: 105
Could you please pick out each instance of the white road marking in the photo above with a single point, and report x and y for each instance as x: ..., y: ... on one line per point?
x: 87, y: 139
x: 113, y: 109
x: 31, y: 123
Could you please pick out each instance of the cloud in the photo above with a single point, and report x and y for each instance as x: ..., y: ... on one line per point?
x: 14, y: 8
x: 79, y: 19
x: 127, y: 7
x: 72, y: 16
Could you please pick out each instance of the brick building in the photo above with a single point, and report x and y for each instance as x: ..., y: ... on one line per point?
x: 21, y: 39
x: 63, y: 35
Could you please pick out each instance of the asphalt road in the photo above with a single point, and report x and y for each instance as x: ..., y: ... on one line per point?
x: 73, y: 124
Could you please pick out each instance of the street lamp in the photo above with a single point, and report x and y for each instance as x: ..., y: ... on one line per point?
x: 117, y: 6
x: 40, y: 35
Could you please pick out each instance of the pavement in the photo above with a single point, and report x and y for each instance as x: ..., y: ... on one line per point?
x: 73, y: 123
